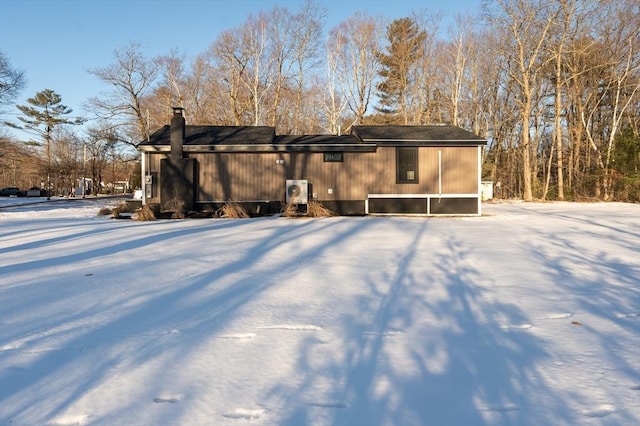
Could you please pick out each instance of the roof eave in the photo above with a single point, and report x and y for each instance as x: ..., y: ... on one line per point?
x: 262, y: 148
x: 426, y: 142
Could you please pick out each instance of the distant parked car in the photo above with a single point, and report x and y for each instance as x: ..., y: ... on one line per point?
x: 12, y: 191
x: 35, y: 191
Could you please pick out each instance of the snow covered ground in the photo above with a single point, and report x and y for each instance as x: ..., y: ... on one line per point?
x: 529, y: 315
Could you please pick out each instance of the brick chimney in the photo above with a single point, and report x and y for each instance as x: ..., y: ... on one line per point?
x: 177, y: 135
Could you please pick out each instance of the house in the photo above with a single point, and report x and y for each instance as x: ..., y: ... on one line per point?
x: 427, y: 170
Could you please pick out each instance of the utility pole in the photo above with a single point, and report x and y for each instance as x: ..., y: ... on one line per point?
x: 84, y: 168
x: 48, y: 166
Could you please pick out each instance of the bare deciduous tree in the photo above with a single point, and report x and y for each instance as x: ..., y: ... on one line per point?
x: 526, y: 25
x: 130, y: 79
x: 458, y: 52
x: 620, y: 22
x: 12, y: 81
x: 351, y: 46
x: 333, y: 104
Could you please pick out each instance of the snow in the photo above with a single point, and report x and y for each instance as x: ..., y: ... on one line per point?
x: 527, y: 315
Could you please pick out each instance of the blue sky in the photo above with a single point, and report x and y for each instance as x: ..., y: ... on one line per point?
x: 56, y: 41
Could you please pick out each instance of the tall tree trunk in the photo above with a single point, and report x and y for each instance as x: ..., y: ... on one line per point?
x: 548, y: 177
x: 526, y: 155
x: 558, y: 127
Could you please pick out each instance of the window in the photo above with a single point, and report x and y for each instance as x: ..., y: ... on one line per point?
x: 333, y: 157
x: 407, y: 165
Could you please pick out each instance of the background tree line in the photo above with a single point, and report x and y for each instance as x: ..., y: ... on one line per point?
x: 553, y: 85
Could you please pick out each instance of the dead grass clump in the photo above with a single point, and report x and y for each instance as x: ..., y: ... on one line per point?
x: 144, y: 214
x: 174, y: 205
x: 122, y: 209
x: 316, y: 209
x: 290, y: 210
x: 311, y: 209
x: 231, y: 210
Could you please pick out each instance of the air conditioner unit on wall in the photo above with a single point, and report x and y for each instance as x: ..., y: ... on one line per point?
x: 297, y: 191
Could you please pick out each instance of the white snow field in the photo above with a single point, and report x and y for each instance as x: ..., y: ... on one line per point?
x: 528, y: 315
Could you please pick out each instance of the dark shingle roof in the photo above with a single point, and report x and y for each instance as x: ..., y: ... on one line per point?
x: 251, y: 138
x: 316, y: 139
x: 263, y: 138
x: 216, y: 135
x: 421, y: 135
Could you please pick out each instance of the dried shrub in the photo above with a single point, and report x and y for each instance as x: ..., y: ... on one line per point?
x: 174, y: 205
x: 316, y: 209
x: 105, y: 211
x: 231, y: 210
x: 126, y: 207
x: 144, y: 214
x: 313, y: 209
x: 290, y: 210
x: 121, y: 209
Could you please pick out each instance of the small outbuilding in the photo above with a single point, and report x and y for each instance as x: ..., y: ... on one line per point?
x: 425, y: 170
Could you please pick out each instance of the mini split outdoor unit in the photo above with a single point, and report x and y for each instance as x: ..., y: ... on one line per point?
x: 297, y: 191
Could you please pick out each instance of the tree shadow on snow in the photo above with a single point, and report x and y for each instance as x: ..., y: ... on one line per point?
x: 428, y: 346
x: 421, y: 340
x: 102, y: 347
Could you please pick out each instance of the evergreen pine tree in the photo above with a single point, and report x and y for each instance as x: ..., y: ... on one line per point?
x: 44, y: 113
x: 405, y: 49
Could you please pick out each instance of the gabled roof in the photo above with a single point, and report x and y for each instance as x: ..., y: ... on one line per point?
x: 417, y: 135
x: 264, y: 139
